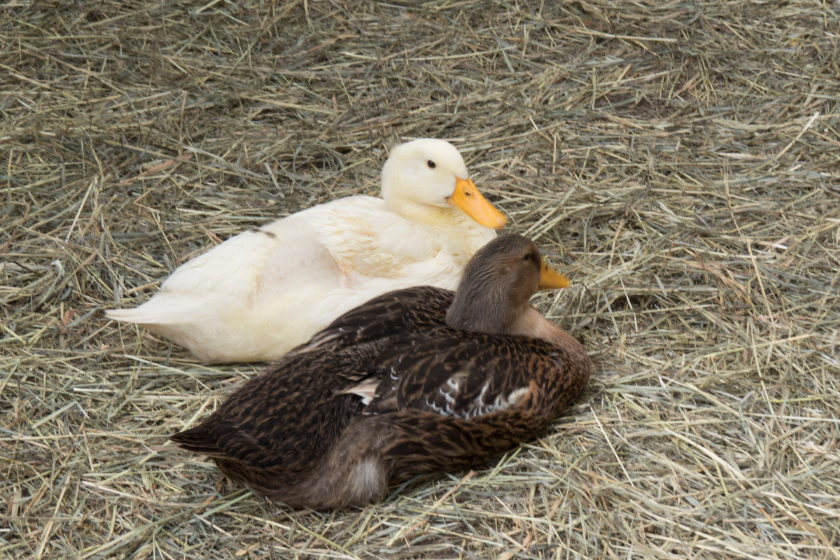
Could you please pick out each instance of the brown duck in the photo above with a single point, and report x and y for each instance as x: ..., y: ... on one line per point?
x: 415, y: 381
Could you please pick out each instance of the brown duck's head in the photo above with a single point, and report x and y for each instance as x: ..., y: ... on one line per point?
x: 497, y: 284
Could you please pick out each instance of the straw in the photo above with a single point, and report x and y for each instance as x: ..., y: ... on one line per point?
x: 677, y: 160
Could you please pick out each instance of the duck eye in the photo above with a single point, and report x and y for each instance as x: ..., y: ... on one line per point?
x: 431, y: 164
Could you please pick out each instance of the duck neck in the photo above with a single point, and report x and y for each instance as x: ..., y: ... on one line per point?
x: 531, y: 323
x: 436, y: 216
x: 496, y: 318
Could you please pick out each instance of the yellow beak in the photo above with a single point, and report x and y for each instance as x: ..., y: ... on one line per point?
x: 550, y: 279
x: 467, y: 198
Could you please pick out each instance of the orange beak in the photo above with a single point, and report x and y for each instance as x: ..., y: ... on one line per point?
x: 550, y: 279
x: 467, y: 198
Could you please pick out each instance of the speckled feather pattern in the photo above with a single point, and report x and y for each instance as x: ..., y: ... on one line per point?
x: 445, y: 399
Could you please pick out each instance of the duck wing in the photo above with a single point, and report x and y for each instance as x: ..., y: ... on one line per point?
x: 290, y: 412
x: 459, y: 397
x: 468, y: 375
x: 384, y: 319
x: 367, y: 239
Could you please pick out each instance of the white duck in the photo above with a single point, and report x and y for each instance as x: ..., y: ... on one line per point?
x: 261, y: 293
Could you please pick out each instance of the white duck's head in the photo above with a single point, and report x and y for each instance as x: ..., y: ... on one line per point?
x: 427, y: 180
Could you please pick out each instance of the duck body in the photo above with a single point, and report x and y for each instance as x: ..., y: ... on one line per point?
x: 263, y: 292
x: 388, y: 391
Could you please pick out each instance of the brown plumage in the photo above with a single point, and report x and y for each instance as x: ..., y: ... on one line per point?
x: 415, y: 381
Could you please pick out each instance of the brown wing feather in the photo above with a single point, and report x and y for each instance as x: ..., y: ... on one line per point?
x: 248, y: 428
x: 461, y: 401
x: 392, y: 314
x: 467, y: 375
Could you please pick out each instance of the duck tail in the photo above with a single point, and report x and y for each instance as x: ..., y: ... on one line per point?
x: 197, y: 440
x: 162, y: 309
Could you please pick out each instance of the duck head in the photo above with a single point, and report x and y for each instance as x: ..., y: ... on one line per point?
x: 427, y: 180
x: 498, y: 282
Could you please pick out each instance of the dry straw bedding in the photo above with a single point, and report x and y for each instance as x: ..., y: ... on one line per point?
x: 678, y: 159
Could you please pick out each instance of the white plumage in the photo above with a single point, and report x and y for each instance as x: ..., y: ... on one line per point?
x: 263, y: 292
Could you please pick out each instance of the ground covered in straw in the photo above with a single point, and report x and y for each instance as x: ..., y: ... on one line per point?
x: 678, y: 159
